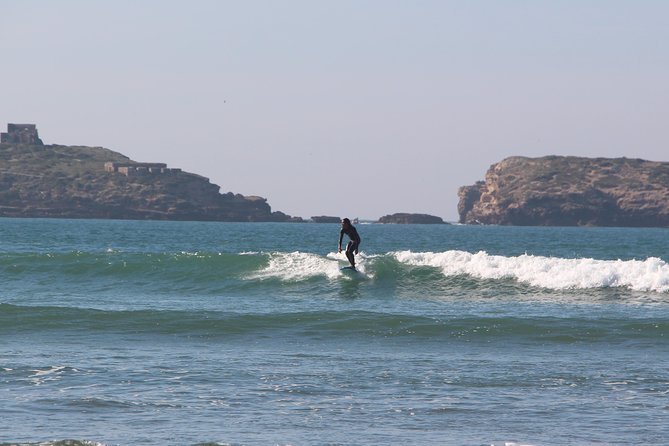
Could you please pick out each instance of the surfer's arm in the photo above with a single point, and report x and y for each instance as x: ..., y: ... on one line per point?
x: 341, y: 236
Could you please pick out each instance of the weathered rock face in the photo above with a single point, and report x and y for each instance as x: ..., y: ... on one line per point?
x: 404, y: 218
x: 65, y: 181
x: 569, y: 191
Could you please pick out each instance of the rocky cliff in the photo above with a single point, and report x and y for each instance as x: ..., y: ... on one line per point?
x: 569, y: 191
x: 65, y: 181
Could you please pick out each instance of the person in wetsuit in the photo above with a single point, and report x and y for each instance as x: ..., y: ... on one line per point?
x: 354, y: 240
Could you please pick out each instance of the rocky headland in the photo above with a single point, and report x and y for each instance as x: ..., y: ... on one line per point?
x: 569, y: 191
x: 38, y: 180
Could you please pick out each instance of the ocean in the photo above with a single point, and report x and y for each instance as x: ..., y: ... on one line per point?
x: 203, y: 333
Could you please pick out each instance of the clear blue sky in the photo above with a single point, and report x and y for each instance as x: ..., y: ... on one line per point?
x: 346, y: 108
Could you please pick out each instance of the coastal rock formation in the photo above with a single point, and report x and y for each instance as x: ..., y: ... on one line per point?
x: 325, y: 219
x: 404, y: 218
x: 91, y: 182
x: 569, y: 191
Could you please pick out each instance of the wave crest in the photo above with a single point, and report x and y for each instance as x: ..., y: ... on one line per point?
x: 651, y: 274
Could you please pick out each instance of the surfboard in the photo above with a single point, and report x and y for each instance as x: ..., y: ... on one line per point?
x: 349, y: 269
x: 349, y: 273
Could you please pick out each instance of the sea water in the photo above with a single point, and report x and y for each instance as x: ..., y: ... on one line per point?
x: 184, y: 333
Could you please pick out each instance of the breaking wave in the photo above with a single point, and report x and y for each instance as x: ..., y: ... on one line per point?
x: 651, y: 274
x: 216, y: 272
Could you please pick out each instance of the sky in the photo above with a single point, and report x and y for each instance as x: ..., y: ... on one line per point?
x: 345, y: 108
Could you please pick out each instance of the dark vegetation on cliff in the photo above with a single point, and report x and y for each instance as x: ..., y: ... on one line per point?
x: 569, y: 191
x: 71, y: 182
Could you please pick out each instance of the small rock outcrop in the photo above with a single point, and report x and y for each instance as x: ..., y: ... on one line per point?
x: 325, y: 219
x: 569, y: 191
x: 405, y: 218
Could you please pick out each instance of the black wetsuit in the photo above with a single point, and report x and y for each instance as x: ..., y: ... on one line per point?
x: 353, y: 243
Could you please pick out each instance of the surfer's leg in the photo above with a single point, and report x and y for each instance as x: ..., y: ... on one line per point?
x: 350, y: 249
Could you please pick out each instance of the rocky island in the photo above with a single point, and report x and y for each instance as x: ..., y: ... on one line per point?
x: 406, y: 218
x: 569, y: 191
x: 38, y: 180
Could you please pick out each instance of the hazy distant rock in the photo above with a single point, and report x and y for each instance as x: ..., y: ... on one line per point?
x: 569, y: 191
x: 325, y: 219
x: 92, y: 182
x: 404, y: 218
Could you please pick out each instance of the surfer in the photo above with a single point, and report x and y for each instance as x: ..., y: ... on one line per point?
x: 354, y: 240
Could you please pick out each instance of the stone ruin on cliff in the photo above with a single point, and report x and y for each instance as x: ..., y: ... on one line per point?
x: 134, y: 168
x: 21, y: 134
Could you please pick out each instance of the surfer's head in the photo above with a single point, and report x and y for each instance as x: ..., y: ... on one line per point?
x: 345, y: 222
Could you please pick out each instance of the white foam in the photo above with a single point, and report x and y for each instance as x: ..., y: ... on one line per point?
x: 41, y: 376
x: 53, y: 369
x: 295, y: 266
x: 360, y: 261
x: 651, y: 274
x: 291, y: 266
